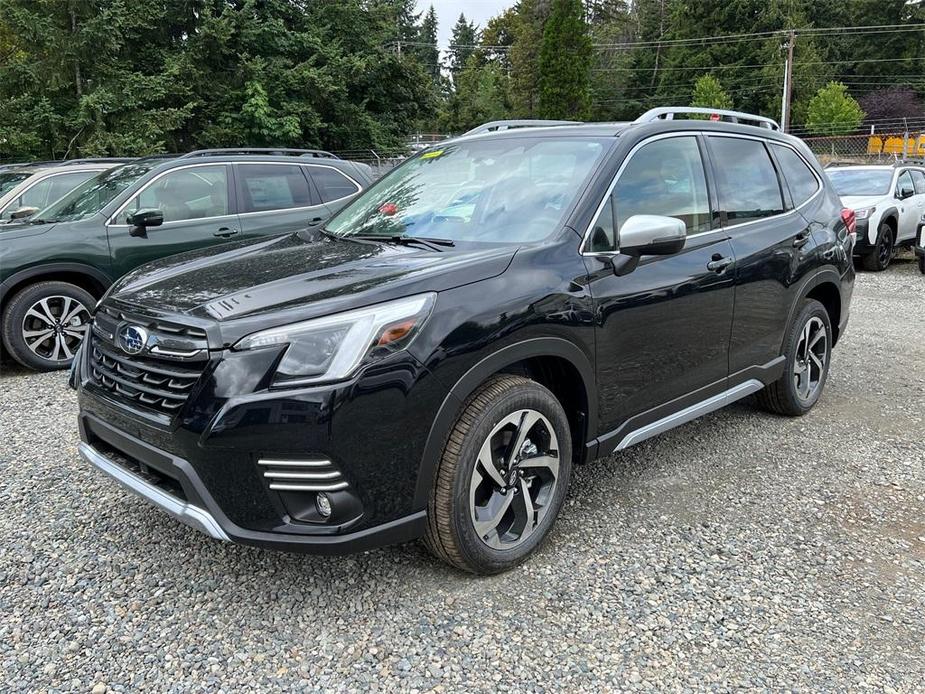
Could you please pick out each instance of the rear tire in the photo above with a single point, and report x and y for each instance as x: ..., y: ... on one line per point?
x: 44, y: 324
x: 879, y: 258
x: 502, y: 477
x: 808, y: 352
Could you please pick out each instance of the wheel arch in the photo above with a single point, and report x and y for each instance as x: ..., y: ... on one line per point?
x: 84, y: 276
x: 889, y: 216
x: 825, y: 287
x: 554, y: 362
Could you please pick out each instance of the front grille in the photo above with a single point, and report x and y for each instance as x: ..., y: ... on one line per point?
x: 156, y: 325
x: 156, y: 384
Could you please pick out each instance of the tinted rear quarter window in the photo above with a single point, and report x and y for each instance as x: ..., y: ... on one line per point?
x: 266, y: 187
x: 746, y: 180
x: 797, y: 174
x: 331, y: 184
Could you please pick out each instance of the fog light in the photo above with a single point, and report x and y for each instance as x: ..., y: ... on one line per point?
x: 323, y: 504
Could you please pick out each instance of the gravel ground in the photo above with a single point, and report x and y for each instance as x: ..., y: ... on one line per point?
x: 740, y: 550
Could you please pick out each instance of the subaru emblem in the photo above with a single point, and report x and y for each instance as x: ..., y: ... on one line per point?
x: 132, y: 339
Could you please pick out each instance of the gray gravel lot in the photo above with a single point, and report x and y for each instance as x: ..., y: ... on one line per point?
x: 740, y: 550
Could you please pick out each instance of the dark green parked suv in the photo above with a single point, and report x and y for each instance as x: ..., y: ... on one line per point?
x: 53, y: 269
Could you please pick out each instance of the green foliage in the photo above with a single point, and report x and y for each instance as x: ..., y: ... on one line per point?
x: 480, y: 96
x: 565, y: 63
x: 832, y: 111
x: 708, y: 93
x: 465, y: 36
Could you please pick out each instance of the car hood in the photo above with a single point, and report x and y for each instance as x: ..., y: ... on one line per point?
x: 860, y: 202
x: 290, y: 277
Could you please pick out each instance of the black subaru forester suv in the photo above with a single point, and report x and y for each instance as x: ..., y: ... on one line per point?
x: 499, y: 308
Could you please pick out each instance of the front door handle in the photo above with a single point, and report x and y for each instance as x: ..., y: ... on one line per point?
x: 225, y: 233
x: 801, y: 239
x: 719, y: 263
x: 315, y: 221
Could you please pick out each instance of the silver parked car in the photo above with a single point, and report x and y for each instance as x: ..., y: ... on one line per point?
x: 28, y: 188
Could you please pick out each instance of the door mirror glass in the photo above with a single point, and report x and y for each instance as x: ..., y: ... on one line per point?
x: 24, y: 212
x: 649, y: 234
x: 142, y: 219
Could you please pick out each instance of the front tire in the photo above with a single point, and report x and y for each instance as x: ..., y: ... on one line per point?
x: 502, y: 477
x: 808, y: 351
x: 44, y: 324
x: 922, y: 263
x: 879, y: 258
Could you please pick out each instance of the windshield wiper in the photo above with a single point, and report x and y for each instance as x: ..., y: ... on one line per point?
x: 433, y: 244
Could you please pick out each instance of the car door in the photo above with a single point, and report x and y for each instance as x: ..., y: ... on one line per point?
x: 276, y: 198
x: 918, y: 200
x: 909, y: 212
x: 198, y: 210
x: 773, y: 245
x: 662, y: 329
x: 334, y: 187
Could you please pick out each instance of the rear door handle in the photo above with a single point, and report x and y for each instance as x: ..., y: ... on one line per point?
x: 719, y: 263
x: 801, y: 239
x: 225, y: 233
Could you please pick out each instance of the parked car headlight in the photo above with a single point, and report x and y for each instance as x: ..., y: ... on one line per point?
x: 331, y: 348
x: 864, y: 212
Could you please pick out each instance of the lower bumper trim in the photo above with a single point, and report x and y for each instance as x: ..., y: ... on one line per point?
x: 183, y: 511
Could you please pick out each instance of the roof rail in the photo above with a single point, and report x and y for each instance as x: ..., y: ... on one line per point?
x: 669, y: 112
x: 496, y: 125
x: 275, y: 151
x: 96, y: 160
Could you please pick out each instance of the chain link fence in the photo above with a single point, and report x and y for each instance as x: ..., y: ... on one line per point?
x: 879, y: 148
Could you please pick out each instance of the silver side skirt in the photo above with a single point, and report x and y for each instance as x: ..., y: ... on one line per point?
x: 184, y: 512
x: 690, y: 413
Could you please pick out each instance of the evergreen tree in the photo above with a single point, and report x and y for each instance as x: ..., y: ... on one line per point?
x: 524, y: 56
x: 427, y: 52
x: 832, y: 111
x: 462, y: 45
x: 708, y: 93
x: 565, y: 63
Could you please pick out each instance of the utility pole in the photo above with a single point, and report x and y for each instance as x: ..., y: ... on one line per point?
x: 788, y: 83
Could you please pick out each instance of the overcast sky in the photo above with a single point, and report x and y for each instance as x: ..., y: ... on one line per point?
x: 478, y: 11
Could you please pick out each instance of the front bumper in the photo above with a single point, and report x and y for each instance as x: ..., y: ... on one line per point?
x: 171, y: 484
x: 862, y: 244
x: 222, y: 463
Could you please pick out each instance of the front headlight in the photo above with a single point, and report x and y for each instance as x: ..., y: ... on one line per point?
x: 332, y: 347
x: 864, y: 213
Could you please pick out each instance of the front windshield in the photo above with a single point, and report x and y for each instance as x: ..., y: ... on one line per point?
x: 861, y: 181
x: 93, y: 195
x: 11, y: 179
x: 494, y: 190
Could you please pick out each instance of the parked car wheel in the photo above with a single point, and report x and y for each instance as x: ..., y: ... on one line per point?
x: 808, y: 352
x: 502, y: 477
x: 44, y: 324
x: 879, y: 258
x: 922, y: 263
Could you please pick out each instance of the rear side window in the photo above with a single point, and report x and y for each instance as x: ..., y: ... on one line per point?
x: 802, y: 182
x: 331, y: 184
x: 918, y: 180
x: 265, y: 187
x: 746, y: 180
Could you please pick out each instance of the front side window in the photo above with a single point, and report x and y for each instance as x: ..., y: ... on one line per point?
x: 918, y: 180
x: 663, y: 178
x: 264, y: 187
x: 506, y: 189
x: 90, y: 197
x: 904, y: 186
x: 746, y: 180
x: 331, y: 184
x: 802, y: 182
x: 193, y: 193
